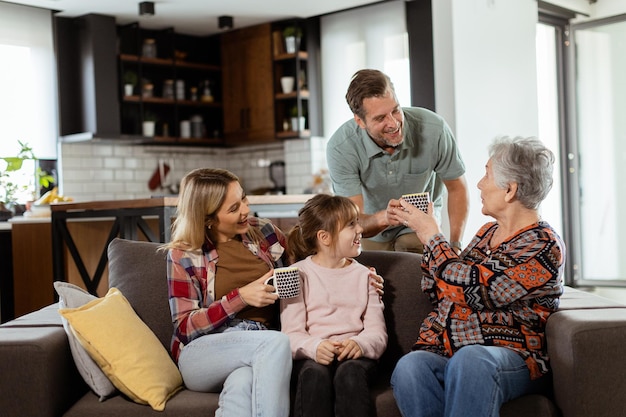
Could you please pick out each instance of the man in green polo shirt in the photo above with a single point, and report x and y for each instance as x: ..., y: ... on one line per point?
x: 387, y: 151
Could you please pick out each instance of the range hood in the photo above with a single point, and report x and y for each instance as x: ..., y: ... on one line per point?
x: 86, y: 49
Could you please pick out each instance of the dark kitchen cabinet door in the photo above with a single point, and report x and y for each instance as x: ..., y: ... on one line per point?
x: 248, y: 88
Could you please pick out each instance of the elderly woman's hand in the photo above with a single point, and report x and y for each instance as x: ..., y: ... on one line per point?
x: 424, y: 224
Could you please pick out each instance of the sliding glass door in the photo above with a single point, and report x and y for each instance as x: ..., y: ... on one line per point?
x: 597, y: 151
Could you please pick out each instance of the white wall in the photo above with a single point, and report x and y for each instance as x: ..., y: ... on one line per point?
x: 369, y: 37
x: 485, y: 78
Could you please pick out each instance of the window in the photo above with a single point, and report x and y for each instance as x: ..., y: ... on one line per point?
x: 28, y: 103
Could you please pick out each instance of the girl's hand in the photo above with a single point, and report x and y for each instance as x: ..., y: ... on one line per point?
x: 326, y: 352
x: 349, y: 349
x: 376, y: 281
x: 257, y: 293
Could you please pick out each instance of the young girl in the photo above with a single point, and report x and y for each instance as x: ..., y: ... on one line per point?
x: 218, y: 260
x: 335, y: 326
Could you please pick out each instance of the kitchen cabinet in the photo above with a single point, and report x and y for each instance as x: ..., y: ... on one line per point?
x: 32, y: 266
x: 177, y: 85
x: 6, y: 274
x: 248, y: 85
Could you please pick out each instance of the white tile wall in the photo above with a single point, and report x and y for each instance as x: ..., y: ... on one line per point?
x: 103, y: 170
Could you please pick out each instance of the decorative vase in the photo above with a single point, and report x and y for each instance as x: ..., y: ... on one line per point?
x: 298, y: 123
x: 148, y: 128
x: 292, y: 44
x: 128, y: 89
x: 287, y: 84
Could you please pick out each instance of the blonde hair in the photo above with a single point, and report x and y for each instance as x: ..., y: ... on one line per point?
x: 322, y: 212
x: 202, y: 193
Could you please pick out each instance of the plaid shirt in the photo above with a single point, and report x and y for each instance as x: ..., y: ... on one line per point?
x: 501, y: 297
x: 191, y: 283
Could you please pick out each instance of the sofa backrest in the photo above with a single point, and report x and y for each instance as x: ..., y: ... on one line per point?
x: 406, y: 305
x: 138, y: 270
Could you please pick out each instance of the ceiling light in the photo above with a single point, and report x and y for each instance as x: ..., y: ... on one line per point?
x: 225, y: 22
x: 146, y: 8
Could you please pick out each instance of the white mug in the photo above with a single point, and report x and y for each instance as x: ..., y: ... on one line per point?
x: 286, y: 281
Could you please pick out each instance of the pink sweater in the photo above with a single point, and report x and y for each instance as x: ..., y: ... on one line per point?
x: 335, y: 304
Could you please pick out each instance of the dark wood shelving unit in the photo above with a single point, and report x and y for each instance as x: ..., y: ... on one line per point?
x: 199, y: 68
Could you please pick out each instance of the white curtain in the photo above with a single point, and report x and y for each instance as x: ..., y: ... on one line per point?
x: 28, y: 89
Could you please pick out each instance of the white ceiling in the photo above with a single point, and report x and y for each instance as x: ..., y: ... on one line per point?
x: 197, y: 17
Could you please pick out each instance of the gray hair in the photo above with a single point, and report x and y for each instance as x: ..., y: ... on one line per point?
x: 525, y: 161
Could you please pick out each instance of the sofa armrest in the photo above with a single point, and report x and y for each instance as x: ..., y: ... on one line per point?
x: 586, y: 349
x: 38, y: 373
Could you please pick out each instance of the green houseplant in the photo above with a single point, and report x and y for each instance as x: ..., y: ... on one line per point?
x: 130, y: 81
x: 292, y: 36
x: 149, y: 123
x: 9, y: 188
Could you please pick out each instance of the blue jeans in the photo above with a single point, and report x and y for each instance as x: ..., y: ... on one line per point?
x: 476, y: 381
x: 251, y: 368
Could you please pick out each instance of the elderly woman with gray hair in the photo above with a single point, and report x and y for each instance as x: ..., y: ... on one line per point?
x: 484, y: 342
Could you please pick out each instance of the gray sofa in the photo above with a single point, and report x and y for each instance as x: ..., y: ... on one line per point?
x: 586, y: 341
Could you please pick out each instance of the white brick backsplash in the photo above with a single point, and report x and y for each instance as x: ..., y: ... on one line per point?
x: 105, y: 171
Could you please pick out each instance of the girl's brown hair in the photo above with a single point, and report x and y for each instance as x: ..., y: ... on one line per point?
x: 322, y: 212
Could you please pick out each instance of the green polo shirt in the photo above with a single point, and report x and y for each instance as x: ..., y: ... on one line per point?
x: 428, y: 155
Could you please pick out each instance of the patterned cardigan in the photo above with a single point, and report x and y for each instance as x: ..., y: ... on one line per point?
x: 500, y: 297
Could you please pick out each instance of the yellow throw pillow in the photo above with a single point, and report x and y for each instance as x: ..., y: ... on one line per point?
x: 125, y: 348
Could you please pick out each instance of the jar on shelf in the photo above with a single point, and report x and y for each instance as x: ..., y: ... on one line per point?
x: 149, y: 49
x: 180, y: 89
x: 197, y: 126
x: 148, y: 90
x: 168, y: 89
x: 194, y: 93
x: 206, y: 91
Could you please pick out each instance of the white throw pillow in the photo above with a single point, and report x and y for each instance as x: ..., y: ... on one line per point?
x: 72, y: 296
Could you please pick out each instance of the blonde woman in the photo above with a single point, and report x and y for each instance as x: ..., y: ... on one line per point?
x: 218, y: 260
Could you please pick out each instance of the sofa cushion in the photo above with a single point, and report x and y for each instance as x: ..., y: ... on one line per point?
x: 139, y: 271
x: 125, y: 348
x: 185, y: 403
x: 72, y: 296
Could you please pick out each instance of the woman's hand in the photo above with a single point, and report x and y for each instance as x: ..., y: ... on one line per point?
x: 257, y: 293
x: 424, y: 224
x: 376, y: 281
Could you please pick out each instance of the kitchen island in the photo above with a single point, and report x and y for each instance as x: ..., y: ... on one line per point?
x: 71, y: 244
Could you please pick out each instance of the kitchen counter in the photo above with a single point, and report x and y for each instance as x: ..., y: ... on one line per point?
x: 271, y: 206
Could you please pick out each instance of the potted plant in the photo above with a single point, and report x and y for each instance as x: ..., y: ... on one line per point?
x: 149, y: 121
x: 298, y: 121
x: 292, y: 36
x: 130, y: 81
x: 10, y: 187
